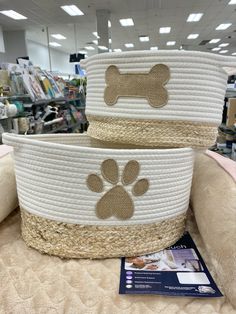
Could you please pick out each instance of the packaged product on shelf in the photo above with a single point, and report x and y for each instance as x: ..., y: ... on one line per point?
x: 32, y: 85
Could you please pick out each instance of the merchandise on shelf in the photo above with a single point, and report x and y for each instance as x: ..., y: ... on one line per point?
x: 35, y: 102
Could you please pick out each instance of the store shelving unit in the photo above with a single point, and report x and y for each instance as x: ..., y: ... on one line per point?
x: 53, y: 128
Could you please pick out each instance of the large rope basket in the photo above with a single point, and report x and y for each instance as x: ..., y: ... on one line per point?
x: 81, y: 198
x: 166, y: 98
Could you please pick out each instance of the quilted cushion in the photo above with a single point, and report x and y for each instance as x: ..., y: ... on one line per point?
x: 8, y: 195
x: 32, y: 283
x: 214, y: 203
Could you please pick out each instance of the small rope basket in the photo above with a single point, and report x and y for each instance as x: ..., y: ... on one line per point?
x: 160, y: 98
x: 82, y: 198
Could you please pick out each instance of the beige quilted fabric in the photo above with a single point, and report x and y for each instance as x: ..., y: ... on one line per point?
x: 31, y: 283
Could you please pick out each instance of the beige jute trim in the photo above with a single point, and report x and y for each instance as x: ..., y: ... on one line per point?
x: 152, y: 133
x: 80, y: 241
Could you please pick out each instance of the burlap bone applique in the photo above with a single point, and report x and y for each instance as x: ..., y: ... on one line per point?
x: 149, y: 85
x: 117, y: 201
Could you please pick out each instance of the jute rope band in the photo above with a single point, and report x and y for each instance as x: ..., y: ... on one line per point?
x: 80, y: 241
x: 155, y: 133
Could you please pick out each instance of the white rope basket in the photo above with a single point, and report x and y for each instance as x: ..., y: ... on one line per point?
x: 191, y: 108
x: 72, y: 191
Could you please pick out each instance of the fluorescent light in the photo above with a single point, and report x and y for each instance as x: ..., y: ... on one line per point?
x: 96, y: 34
x: 216, y: 49
x: 153, y: 48
x: 89, y: 48
x: 232, y: 2
x: 234, y: 54
x: 117, y: 50
x: 72, y: 10
x: 109, y: 23
x: 102, y: 48
x: 171, y: 43
x: 223, y: 26
x: 127, y: 22
x: 58, y: 36
x: 193, y: 36
x: 194, y: 17
x: 129, y: 45
x: 54, y: 44
x: 164, y: 30
x: 214, y: 41
x: 95, y: 41
x: 224, y: 45
x: 84, y: 52
x: 14, y: 15
x: 110, y: 41
x: 143, y: 38
x: 223, y: 51
x: 110, y: 50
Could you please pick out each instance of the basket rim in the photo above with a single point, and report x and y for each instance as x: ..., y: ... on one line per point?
x: 17, y: 140
x: 167, y: 53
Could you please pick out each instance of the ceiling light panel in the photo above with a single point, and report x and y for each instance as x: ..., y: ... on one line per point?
x: 129, y: 45
x: 58, y: 36
x: 127, y: 22
x: 117, y: 50
x: 214, y: 41
x: 96, y: 34
x: 164, y: 30
x: 95, y: 41
x: 223, y: 51
x: 193, y: 36
x: 216, y: 49
x: 223, y: 26
x: 224, y: 45
x: 153, y: 48
x: 232, y: 2
x: 89, y: 48
x: 194, y: 17
x: 171, y: 43
x: 234, y: 54
x: 102, y: 48
x: 13, y: 15
x: 144, y: 38
x: 110, y: 41
x: 54, y: 44
x: 72, y: 10
x: 109, y: 23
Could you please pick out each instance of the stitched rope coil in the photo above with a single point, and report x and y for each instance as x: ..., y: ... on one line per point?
x: 195, y: 94
x: 69, y: 180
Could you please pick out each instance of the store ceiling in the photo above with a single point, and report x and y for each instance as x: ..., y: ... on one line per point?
x: 148, y: 16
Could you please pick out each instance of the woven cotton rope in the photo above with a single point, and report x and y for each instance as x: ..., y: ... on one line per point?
x: 184, y: 110
x: 149, y: 85
x: 99, y: 202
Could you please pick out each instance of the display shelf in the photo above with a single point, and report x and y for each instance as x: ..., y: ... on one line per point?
x: 48, y: 101
x: 66, y: 126
x: 14, y: 97
x: 230, y: 93
x: 227, y: 130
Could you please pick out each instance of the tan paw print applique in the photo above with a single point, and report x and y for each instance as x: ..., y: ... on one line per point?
x: 117, y: 201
